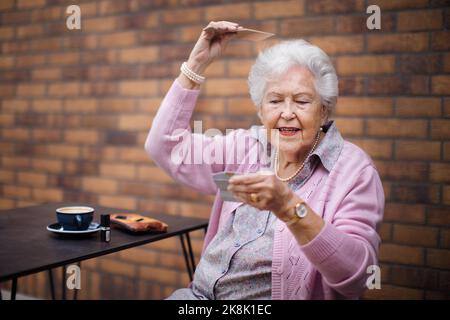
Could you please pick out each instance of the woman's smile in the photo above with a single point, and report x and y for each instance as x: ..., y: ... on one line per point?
x: 289, y: 131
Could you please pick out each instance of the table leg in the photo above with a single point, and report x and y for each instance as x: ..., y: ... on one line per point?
x: 191, y: 252
x: 14, y: 289
x: 52, y: 284
x: 186, y: 260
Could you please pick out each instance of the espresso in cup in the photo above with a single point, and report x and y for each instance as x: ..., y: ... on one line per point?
x: 75, y: 218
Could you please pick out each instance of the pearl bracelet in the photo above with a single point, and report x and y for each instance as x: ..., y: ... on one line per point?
x: 191, y: 74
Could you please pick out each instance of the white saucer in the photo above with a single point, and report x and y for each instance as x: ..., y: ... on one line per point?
x: 57, y: 228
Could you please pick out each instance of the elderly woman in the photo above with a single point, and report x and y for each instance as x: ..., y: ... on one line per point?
x: 307, y: 231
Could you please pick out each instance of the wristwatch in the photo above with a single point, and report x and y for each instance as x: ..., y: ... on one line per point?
x: 300, y: 211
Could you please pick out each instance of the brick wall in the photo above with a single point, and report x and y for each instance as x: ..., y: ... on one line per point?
x: 76, y: 107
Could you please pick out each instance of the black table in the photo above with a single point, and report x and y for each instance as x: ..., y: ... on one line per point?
x: 26, y: 246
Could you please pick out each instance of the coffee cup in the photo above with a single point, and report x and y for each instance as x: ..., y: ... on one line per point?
x: 75, y: 218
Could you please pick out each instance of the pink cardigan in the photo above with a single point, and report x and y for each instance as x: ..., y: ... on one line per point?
x: 350, y: 199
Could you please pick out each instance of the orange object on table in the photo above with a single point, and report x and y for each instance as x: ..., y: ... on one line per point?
x: 135, y: 223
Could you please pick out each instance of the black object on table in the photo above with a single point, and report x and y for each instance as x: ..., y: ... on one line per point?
x: 27, y: 247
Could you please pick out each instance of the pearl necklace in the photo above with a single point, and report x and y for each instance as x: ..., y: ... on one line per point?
x: 303, y: 164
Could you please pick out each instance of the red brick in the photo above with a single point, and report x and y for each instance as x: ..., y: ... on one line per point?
x: 99, y: 185
x: 64, y: 89
x: 141, y: 256
x: 16, y: 134
x: 274, y: 9
x: 400, y: 4
x: 377, y: 149
x: 416, y: 193
x: 446, y: 195
x: 6, y: 33
x: 391, y: 170
x: 66, y: 58
x: 153, y: 174
x: 80, y: 105
x: 440, y: 172
x: 241, y: 106
x: 356, y: 106
x: 350, y: 126
x: 238, y: 68
x: 225, y: 87
x: 32, y: 179
x: 396, y: 128
x: 415, y: 277
x: 438, y: 258
x: 16, y: 192
x: 118, y: 40
x: 415, y: 235
x: 63, y: 151
x: 139, y: 55
x: 418, y: 107
x: 365, y: 65
x: 182, y: 16
x: 7, y: 4
x: 445, y: 238
x: 29, y: 31
x: 440, y: 85
x: 31, y: 90
x: 134, y: 155
x: 7, y: 176
x: 301, y: 27
x: 30, y: 60
x: 46, y: 73
x: 447, y: 151
x: 417, y: 150
x: 7, y: 204
x: 439, y: 40
x: 212, y: 106
x: 120, y: 171
x: 402, y: 212
x: 117, y: 267
x: 6, y: 62
x: 325, y: 6
x: 6, y: 120
x: 120, y: 202
x: 440, y: 129
x: 401, y: 254
x: 27, y: 4
x: 100, y: 24
x: 47, y: 165
x: 419, y: 20
x: 447, y: 107
x: 411, y: 42
x: 48, y: 14
x: 138, y: 88
x: 233, y: 12
x: 81, y: 136
x: 439, y: 216
x: 48, y: 195
x: 420, y: 64
x: 135, y: 122
x: 47, y: 105
x: 333, y: 45
x: 156, y: 274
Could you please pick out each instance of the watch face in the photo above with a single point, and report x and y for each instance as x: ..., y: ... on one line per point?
x: 301, y: 210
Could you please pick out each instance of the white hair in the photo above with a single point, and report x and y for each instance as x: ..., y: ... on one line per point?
x: 280, y: 57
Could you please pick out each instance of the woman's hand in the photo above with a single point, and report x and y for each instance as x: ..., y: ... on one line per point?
x: 210, y: 45
x: 271, y: 193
